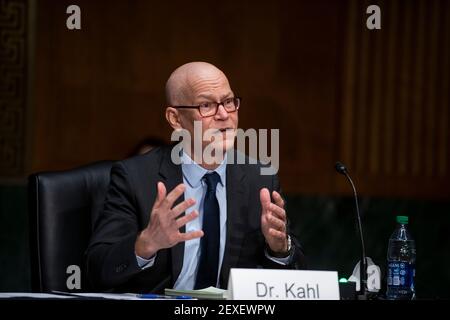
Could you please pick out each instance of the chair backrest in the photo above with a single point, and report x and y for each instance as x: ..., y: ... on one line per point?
x: 63, y: 207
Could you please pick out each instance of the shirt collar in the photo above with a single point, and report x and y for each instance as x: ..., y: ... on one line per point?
x: 194, y: 172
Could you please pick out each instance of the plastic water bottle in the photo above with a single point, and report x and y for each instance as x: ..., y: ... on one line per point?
x: 401, y: 257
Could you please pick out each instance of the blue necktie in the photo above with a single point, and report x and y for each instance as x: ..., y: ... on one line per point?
x: 210, y: 242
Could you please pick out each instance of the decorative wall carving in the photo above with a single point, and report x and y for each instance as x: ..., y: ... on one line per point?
x: 13, y: 85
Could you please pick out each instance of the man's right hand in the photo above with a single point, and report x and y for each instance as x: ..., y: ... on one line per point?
x: 163, y: 229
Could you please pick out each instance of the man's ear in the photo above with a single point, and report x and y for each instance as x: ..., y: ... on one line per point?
x: 173, y: 118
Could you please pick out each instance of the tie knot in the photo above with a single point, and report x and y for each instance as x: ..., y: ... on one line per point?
x: 211, y: 180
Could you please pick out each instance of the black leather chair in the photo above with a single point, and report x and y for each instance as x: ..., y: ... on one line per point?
x: 63, y: 207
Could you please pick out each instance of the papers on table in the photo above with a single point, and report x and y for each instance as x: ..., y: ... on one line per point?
x: 110, y: 296
x: 210, y: 293
x: 171, y: 294
x: 32, y: 295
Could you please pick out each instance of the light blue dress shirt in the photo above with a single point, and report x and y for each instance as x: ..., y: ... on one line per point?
x: 196, y: 189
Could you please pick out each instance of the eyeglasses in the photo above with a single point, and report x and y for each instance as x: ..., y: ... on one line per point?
x: 209, y: 109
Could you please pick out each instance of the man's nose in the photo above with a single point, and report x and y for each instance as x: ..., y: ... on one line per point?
x: 221, y: 113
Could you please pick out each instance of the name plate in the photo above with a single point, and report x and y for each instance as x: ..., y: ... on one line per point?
x: 271, y: 284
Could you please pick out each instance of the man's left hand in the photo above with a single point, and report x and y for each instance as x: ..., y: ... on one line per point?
x: 273, y: 221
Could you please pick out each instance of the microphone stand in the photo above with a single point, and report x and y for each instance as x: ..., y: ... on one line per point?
x: 362, y: 294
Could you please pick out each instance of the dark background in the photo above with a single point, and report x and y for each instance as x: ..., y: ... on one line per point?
x: 378, y: 100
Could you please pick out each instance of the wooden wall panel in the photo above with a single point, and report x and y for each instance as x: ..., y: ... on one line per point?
x: 377, y: 100
x: 395, y: 99
x: 101, y: 89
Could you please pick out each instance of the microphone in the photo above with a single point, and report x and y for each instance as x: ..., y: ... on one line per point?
x: 340, y: 168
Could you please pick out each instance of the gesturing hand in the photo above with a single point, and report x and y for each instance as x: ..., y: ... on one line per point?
x: 273, y: 221
x: 163, y: 228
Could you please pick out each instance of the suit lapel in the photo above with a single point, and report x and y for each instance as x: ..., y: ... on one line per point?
x: 172, y: 176
x: 237, y: 204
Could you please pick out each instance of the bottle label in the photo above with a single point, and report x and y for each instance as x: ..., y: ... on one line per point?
x: 401, y: 274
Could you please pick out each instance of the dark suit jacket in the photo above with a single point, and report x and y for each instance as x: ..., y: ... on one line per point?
x: 111, y: 260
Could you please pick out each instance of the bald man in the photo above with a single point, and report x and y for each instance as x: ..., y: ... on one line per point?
x: 183, y: 226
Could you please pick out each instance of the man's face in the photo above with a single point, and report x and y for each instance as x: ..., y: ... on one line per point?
x: 210, y: 87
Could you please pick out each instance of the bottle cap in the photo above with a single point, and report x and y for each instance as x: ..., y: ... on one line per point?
x: 402, y: 219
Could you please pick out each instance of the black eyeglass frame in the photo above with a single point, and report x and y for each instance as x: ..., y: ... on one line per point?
x: 237, y: 106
